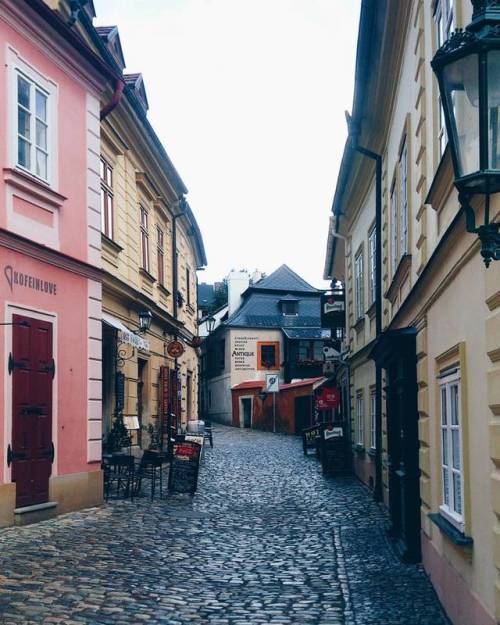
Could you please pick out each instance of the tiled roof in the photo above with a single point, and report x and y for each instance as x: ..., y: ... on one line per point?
x: 262, y: 310
x: 305, y: 333
x: 285, y: 279
x: 250, y: 384
x: 306, y: 382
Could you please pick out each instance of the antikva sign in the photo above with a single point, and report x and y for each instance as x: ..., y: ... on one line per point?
x: 243, y: 353
x: 27, y: 281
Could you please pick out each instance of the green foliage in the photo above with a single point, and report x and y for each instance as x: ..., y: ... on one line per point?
x: 154, y: 432
x: 118, y: 437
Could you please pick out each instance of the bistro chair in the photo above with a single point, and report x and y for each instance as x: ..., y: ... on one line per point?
x: 119, y: 473
x: 150, y: 468
x: 208, y: 434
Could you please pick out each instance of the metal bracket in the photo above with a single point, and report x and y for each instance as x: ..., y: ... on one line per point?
x: 50, y: 368
x: 14, y: 364
x: 14, y: 455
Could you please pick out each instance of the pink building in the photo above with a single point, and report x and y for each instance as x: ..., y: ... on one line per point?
x: 50, y: 291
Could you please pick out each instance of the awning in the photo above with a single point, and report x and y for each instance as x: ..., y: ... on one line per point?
x: 124, y: 334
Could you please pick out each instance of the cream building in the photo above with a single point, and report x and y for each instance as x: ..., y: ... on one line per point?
x: 151, y: 249
x: 440, y: 345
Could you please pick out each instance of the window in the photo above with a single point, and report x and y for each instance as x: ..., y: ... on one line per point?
x: 451, y: 448
x: 144, y: 238
x: 444, y: 18
x: 160, y: 249
x: 318, y: 350
x: 360, y: 420
x: 289, y: 308
x: 311, y: 350
x: 373, y: 421
x: 221, y: 354
x: 372, y: 242
x: 188, y: 286
x: 106, y: 198
x: 32, y: 127
x: 268, y: 355
x: 403, y: 200
x: 359, y: 284
x: 394, y: 228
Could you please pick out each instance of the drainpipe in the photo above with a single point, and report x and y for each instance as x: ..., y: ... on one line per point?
x: 353, y: 133
x: 115, y: 100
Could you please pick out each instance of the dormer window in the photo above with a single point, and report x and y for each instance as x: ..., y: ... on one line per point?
x: 289, y: 307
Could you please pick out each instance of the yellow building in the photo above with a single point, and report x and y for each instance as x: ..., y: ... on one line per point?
x: 440, y: 342
x: 151, y: 248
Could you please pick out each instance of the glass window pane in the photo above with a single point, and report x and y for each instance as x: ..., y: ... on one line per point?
x: 444, y: 416
x: 454, y: 404
x: 102, y: 169
x: 462, y: 97
x: 109, y: 176
x: 41, y: 164
x: 23, y: 123
x: 23, y: 92
x: 318, y: 350
x: 457, y: 493
x: 455, y: 446
x: 444, y: 443
x: 493, y: 108
x: 41, y: 135
x: 103, y: 210
x: 41, y: 106
x: 446, y: 487
x: 23, y: 153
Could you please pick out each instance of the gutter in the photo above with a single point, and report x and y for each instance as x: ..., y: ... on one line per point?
x: 115, y: 100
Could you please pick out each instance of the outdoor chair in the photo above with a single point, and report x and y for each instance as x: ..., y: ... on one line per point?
x: 208, y: 434
x: 119, y: 473
x: 150, y: 468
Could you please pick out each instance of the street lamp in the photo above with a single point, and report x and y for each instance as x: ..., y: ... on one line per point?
x: 210, y: 324
x: 467, y: 67
x: 145, y: 318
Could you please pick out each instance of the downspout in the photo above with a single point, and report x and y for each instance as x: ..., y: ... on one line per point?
x: 115, y: 100
x: 175, y: 271
x: 377, y: 491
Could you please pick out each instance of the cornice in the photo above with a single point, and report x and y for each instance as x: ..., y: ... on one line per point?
x: 45, y: 254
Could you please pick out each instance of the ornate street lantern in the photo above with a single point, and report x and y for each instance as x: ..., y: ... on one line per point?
x: 145, y: 318
x: 210, y: 324
x: 467, y: 67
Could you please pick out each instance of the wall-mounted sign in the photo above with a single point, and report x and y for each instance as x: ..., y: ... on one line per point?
x: 331, y: 432
x: 175, y: 349
x: 35, y: 283
x: 328, y: 398
x: 272, y: 383
x: 126, y: 336
x: 243, y: 353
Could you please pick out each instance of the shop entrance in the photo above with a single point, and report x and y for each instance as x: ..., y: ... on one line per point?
x: 246, y: 405
x: 32, y: 367
x: 302, y: 413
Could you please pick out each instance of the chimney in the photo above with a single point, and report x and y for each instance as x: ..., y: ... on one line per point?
x: 256, y: 276
x: 237, y: 283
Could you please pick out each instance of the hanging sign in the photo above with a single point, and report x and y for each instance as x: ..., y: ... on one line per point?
x: 328, y: 398
x: 175, y: 349
x: 126, y: 336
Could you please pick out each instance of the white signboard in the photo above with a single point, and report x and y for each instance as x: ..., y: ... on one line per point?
x: 131, y: 423
x: 243, y: 353
x: 126, y: 336
x: 333, y: 433
x: 272, y: 383
x: 330, y: 307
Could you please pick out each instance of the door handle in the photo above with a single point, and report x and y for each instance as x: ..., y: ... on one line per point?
x: 14, y: 455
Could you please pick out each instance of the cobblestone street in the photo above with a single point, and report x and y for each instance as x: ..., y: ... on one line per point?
x: 265, y: 540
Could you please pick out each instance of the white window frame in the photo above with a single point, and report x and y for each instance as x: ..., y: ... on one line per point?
x: 372, y: 263
x: 403, y: 199
x: 360, y: 420
x: 17, y: 65
x: 359, y: 285
x: 448, y: 507
x: 373, y: 420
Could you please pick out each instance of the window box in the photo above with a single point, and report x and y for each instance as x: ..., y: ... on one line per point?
x: 456, y: 536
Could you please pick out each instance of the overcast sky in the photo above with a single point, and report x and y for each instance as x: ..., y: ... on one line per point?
x: 248, y: 98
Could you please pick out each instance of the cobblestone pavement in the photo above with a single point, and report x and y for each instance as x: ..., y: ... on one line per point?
x: 265, y: 540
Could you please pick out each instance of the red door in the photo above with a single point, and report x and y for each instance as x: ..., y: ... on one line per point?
x: 32, y: 368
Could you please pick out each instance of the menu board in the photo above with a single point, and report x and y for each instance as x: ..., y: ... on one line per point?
x: 184, y: 467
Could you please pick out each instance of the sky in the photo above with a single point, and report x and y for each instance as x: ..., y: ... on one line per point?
x: 248, y: 98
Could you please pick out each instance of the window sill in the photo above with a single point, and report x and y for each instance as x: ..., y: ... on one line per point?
x: 359, y: 325
x: 401, y: 271
x: 359, y: 448
x: 110, y: 244
x: 190, y: 309
x: 372, y: 452
x: 371, y: 311
x: 442, y: 184
x: 456, y: 537
x: 34, y: 186
x: 163, y: 289
x: 145, y: 274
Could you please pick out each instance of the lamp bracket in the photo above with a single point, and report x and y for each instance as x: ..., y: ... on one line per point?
x: 470, y: 217
x: 489, y: 233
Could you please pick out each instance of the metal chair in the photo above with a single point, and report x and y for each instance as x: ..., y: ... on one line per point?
x: 151, y: 468
x: 208, y: 434
x: 119, y: 471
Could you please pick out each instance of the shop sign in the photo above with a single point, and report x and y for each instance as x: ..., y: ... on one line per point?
x: 243, y: 353
x: 328, y: 398
x: 175, y: 349
x: 120, y: 391
x: 332, y: 432
x: 35, y: 283
x: 126, y: 336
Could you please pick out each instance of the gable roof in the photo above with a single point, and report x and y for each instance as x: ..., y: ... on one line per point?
x: 284, y: 279
x: 261, y: 309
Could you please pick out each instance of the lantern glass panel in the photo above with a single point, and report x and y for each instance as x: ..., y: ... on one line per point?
x: 493, y: 109
x: 461, y: 84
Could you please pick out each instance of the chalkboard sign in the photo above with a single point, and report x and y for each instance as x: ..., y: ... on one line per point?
x: 310, y: 438
x: 335, y: 457
x: 184, y: 467
x: 120, y: 391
